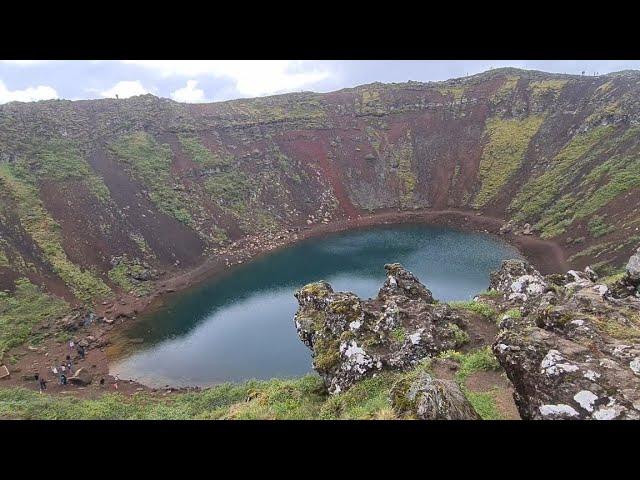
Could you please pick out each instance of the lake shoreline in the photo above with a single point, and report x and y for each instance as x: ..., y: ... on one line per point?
x: 547, y: 256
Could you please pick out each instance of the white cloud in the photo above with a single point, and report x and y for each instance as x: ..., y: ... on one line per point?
x: 189, y: 94
x: 251, y: 77
x: 125, y: 89
x: 29, y: 94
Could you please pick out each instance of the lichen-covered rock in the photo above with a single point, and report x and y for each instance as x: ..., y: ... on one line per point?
x: 575, y: 353
x: 352, y: 338
x: 629, y: 285
x: 633, y: 267
x: 427, y: 398
x: 518, y: 280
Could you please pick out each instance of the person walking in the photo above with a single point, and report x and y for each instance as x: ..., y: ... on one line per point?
x: 69, y: 364
x: 42, y: 384
x: 81, y: 351
x: 116, y: 378
x: 63, y: 379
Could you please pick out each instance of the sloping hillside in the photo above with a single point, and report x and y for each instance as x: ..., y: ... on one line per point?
x: 97, y: 196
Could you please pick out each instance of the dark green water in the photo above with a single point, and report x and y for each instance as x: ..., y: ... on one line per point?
x: 240, y: 326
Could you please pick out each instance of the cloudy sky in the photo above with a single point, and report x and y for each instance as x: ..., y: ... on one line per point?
x: 197, y: 81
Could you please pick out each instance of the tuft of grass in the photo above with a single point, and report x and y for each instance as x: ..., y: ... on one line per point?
x: 481, y: 308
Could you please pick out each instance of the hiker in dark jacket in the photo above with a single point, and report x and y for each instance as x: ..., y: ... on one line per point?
x: 43, y: 384
x: 63, y: 379
x: 81, y: 351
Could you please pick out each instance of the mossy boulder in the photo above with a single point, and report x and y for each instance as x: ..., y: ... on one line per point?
x: 352, y: 338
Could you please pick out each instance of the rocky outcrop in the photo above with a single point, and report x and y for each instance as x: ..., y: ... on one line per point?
x: 426, y: 398
x: 518, y: 280
x: 352, y: 338
x: 575, y: 351
x: 629, y: 285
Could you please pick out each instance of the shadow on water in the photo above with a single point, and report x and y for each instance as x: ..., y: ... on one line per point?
x: 240, y: 325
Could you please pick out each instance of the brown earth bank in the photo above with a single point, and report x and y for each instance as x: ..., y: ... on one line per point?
x: 120, y: 312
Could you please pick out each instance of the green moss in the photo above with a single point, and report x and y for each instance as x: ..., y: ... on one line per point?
x: 507, y: 142
x: 327, y: 354
x: 21, y: 311
x: 45, y: 232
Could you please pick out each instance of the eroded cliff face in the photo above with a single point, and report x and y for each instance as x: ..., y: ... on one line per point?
x: 568, y: 343
x: 160, y: 185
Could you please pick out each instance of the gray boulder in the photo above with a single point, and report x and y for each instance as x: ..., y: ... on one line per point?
x: 82, y: 377
x: 427, y: 398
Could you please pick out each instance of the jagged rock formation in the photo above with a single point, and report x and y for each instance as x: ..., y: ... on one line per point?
x: 575, y: 351
x: 352, y: 338
x: 162, y: 185
x: 569, y: 344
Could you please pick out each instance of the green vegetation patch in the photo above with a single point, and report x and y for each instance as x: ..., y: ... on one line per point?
x: 507, y: 142
x: 150, y: 163
x: 479, y: 360
x: 45, y: 232
x: 302, y: 398
x: 506, y: 89
x: 124, y: 273
x: 598, y: 227
x: 201, y: 154
x: 59, y: 161
x: 545, y: 88
x: 23, y: 310
x: 481, y: 308
x: 538, y: 193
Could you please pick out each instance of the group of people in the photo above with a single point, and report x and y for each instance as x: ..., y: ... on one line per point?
x: 62, y: 370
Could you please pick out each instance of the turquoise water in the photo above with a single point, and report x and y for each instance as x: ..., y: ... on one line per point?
x: 240, y: 325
